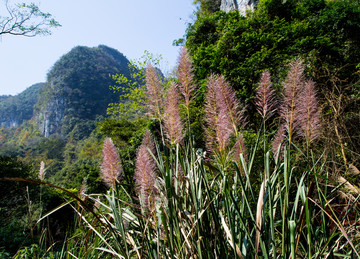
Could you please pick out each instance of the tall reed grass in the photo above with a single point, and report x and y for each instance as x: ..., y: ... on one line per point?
x: 218, y: 203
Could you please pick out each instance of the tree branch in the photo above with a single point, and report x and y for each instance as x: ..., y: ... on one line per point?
x: 26, y: 20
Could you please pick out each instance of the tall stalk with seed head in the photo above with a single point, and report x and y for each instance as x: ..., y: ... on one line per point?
x: 111, y: 169
x: 309, y: 114
x: 145, y: 173
x: 185, y: 73
x: 290, y: 107
x: 154, y: 93
x: 173, y: 125
x: 41, y: 176
x: 223, y: 116
x: 219, y: 127
x: 265, y: 99
x: 154, y: 96
x: 290, y: 114
x: 227, y: 101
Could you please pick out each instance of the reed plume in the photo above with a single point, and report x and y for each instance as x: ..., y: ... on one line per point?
x: 154, y: 93
x: 278, y: 142
x: 265, y: 99
x: 42, y: 171
x: 290, y: 109
x: 239, y: 148
x: 219, y: 126
x: 145, y: 173
x: 111, y: 169
x: 83, y: 190
x: 227, y: 102
x: 173, y: 125
x: 185, y: 73
x: 309, y: 113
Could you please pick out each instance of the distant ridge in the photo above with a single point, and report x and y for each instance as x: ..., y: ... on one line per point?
x: 75, y: 93
x: 18, y: 108
x: 77, y: 88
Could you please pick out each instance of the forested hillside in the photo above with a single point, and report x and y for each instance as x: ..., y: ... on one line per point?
x: 16, y: 109
x: 77, y: 88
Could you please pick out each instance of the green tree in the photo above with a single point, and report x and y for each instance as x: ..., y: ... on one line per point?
x: 25, y: 20
x: 322, y: 33
x: 132, y: 88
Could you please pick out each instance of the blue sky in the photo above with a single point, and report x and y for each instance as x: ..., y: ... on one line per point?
x: 130, y: 26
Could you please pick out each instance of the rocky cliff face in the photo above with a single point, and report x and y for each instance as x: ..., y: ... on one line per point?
x: 77, y: 88
x: 241, y: 5
x: 50, y: 117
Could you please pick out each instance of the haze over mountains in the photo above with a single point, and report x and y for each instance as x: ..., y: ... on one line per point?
x: 76, y: 90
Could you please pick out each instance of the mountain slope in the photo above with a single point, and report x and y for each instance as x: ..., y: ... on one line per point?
x: 16, y: 109
x: 77, y: 88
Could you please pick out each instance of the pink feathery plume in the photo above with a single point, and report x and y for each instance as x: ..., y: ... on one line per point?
x: 185, y: 73
x: 227, y: 102
x: 239, y: 148
x: 293, y: 85
x: 111, y: 170
x: 219, y: 125
x: 265, y: 99
x: 154, y: 92
x: 173, y: 125
x: 309, y: 112
x: 145, y: 172
x: 278, y: 142
x: 211, y: 115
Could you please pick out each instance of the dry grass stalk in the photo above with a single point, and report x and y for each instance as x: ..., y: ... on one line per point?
x: 348, y: 186
x: 259, y: 210
x: 354, y: 170
x: 42, y: 171
x: 229, y: 237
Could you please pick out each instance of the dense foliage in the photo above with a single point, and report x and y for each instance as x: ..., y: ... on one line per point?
x: 324, y: 34
x: 16, y: 109
x: 21, y: 206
